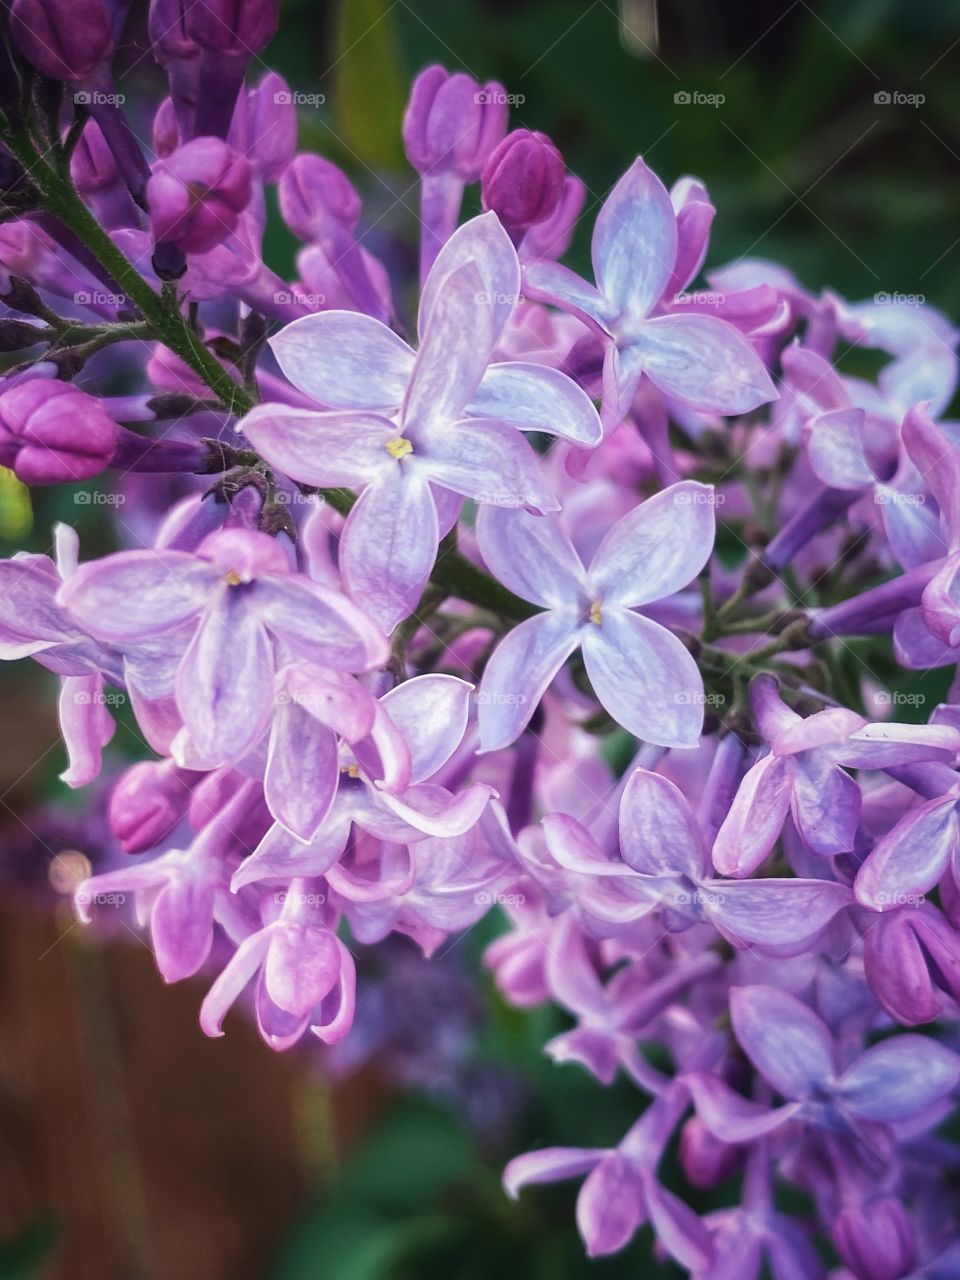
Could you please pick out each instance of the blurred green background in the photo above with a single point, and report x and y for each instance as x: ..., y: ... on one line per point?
x: 807, y: 166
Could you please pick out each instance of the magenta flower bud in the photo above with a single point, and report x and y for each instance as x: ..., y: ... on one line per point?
x: 706, y: 1161
x: 97, y: 176
x: 551, y: 238
x: 452, y: 124
x: 54, y: 433
x: 166, y: 134
x: 316, y: 196
x: 197, y: 194
x: 148, y: 802
x: 271, y: 127
x: 523, y: 180
x: 66, y: 39
x: 876, y: 1240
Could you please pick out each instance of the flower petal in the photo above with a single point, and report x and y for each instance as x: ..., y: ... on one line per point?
x: 659, y: 834
x: 899, y: 1078
x: 634, y: 246
x: 490, y: 462
x: 518, y: 673
x: 611, y: 1205
x: 657, y: 548
x: 731, y: 1117
x: 834, y: 444
x: 431, y: 712
x: 911, y: 857
x: 302, y: 770
x: 325, y: 449
x: 344, y: 360
x: 531, y: 555
x: 551, y: 282
x: 134, y: 595
x: 645, y: 678
x: 552, y: 1164
x: 86, y: 725
x: 483, y: 242
x: 319, y: 624
x: 778, y: 915
x: 535, y: 397
x: 825, y: 804
x: 784, y: 1039
x: 756, y: 817
x: 704, y: 363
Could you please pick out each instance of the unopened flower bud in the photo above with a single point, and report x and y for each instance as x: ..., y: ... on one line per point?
x: 705, y: 1159
x: 523, y: 180
x: 876, y: 1240
x: 53, y: 433
x: 148, y: 802
x: 315, y: 194
x: 197, y: 194
x: 452, y: 124
x: 66, y: 39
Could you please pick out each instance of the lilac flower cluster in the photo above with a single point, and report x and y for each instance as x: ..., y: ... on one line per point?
x: 436, y: 623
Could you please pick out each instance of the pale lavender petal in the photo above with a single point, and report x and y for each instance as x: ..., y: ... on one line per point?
x: 435, y: 812
x: 134, y: 595
x: 916, y: 647
x: 824, y: 729
x: 302, y: 770
x: 319, y: 624
x: 325, y: 449
x: 30, y: 618
x: 911, y: 857
x: 938, y: 461
x: 389, y: 546
x: 815, y: 380
x: 573, y: 847
x: 645, y: 678
x: 535, y: 397
x: 483, y: 242
x: 884, y: 745
x: 551, y: 282
x: 678, y: 1228
x: 181, y: 926
x: 280, y: 856
x: 784, y: 1039
x: 913, y: 529
x: 656, y: 549
x: 344, y: 360
x: 611, y: 1205
x: 490, y: 462
x: 431, y: 711
x: 333, y: 697
x: 454, y: 353
x: 756, y: 817
x: 86, y: 725
x: 777, y: 914
x: 531, y: 555
x: 225, y: 683
x: 895, y: 1080
x: 659, y: 834
x: 337, y: 1013
x: 834, y: 444
x: 634, y: 246
x: 704, y: 363
x: 519, y: 672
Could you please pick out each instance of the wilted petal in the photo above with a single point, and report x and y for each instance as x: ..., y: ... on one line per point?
x: 756, y: 817
x: 657, y: 548
x: 344, y: 360
x: 389, y: 546
x: 431, y: 712
x: 519, y: 672
x: 531, y: 555
x: 645, y: 678
x: 325, y: 449
x: 834, y: 443
x: 489, y: 462
x: 658, y: 832
x: 899, y: 1078
x: 704, y: 363
x: 535, y: 397
x: 784, y: 1039
x: 634, y: 246
x: 911, y: 857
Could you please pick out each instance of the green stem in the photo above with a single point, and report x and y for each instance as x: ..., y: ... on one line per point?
x: 164, y: 314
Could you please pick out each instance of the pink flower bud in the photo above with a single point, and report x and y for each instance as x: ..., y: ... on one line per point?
x: 706, y: 1160
x: 54, y: 433
x: 523, y: 179
x: 314, y: 195
x: 875, y: 1240
x: 148, y: 802
x: 197, y: 194
x: 66, y: 39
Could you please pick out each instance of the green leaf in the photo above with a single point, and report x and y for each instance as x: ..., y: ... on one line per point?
x: 371, y: 83
x: 26, y: 1256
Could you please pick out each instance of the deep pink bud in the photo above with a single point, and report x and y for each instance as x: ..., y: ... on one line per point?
x: 66, y: 39
x: 706, y: 1160
x: 452, y: 124
x: 148, y: 802
x: 54, y: 433
x: 314, y: 195
x: 185, y: 28
x: 197, y: 194
x: 523, y: 179
x: 876, y: 1240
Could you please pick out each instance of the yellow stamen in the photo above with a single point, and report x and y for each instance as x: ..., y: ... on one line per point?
x: 398, y: 447
x: 232, y: 579
x: 351, y: 770
x: 596, y: 613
